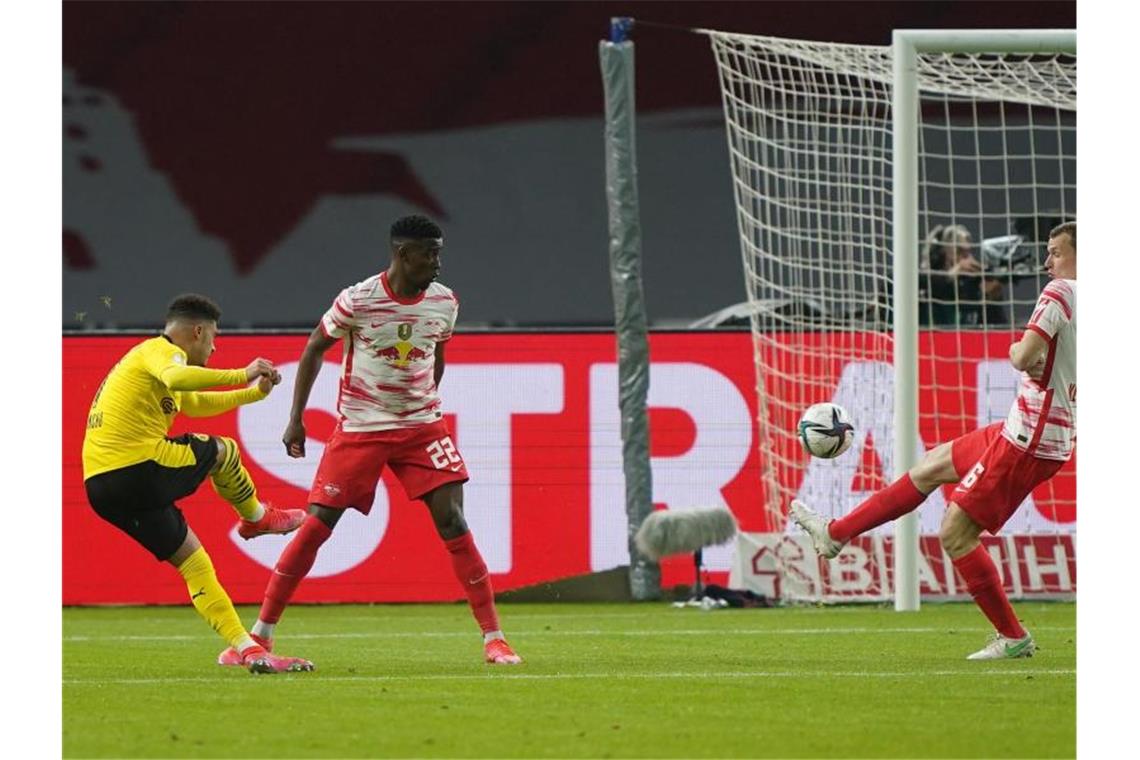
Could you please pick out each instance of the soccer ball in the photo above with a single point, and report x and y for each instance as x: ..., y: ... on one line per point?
x: 826, y: 430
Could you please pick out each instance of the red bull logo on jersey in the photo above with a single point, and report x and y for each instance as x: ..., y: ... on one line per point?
x: 402, y: 354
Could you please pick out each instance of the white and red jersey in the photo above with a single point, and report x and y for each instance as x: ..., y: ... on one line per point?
x: 1043, y: 420
x: 388, y: 373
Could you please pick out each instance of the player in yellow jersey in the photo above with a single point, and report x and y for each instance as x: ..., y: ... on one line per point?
x: 134, y: 473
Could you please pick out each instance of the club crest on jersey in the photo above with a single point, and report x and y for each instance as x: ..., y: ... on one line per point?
x: 167, y: 405
x: 404, y: 330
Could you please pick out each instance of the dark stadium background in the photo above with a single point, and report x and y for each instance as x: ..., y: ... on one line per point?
x: 258, y: 151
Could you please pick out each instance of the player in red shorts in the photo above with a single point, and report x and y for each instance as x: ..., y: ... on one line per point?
x: 395, y: 325
x: 997, y: 466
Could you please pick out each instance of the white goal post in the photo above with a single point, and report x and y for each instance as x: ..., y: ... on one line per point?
x: 853, y: 165
x: 905, y: 49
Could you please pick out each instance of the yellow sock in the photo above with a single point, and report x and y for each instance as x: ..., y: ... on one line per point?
x: 232, y: 482
x: 211, y: 600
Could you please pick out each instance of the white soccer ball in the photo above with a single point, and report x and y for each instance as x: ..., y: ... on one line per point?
x: 826, y: 430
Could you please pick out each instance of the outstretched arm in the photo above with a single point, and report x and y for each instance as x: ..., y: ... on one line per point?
x: 213, y: 403
x: 307, y: 370
x: 180, y: 377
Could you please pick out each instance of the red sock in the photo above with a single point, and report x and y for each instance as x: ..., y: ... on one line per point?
x: 891, y: 503
x: 984, y: 584
x: 292, y: 567
x: 471, y: 572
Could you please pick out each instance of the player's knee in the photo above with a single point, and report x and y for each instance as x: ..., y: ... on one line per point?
x: 946, y: 537
x: 955, y: 533
x: 450, y: 522
x: 923, y: 475
x: 330, y: 517
x: 228, y: 454
x: 934, y: 469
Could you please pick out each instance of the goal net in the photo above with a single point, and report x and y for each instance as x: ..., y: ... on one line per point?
x: 810, y: 142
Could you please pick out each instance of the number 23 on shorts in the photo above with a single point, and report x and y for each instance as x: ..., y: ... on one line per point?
x: 443, y: 454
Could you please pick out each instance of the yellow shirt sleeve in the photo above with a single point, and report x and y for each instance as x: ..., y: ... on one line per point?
x: 195, y: 378
x: 167, y: 362
x: 211, y: 403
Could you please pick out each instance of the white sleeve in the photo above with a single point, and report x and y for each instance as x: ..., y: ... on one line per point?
x: 1053, y: 311
x: 340, y: 319
x: 449, y: 329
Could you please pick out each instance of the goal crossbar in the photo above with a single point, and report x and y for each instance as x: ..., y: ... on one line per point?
x: 989, y: 40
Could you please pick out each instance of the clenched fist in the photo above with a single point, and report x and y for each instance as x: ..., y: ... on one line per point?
x: 261, y: 368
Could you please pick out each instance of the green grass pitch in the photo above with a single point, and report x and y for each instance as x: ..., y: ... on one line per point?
x: 600, y: 680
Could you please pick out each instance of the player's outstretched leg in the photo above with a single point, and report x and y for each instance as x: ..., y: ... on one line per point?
x: 446, y: 506
x: 830, y: 536
x: 959, y: 535
x: 232, y: 482
x: 899, y: 498
x: 213, y: 604
x: 292, y: 566
x: 891, y: 503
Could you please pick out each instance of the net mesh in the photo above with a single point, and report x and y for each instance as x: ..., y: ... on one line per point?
x: 809, y: 138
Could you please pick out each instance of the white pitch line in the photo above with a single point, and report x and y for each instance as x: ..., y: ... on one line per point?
x: 585, y: 632
x: 296, y: 678
x: 656, y: 613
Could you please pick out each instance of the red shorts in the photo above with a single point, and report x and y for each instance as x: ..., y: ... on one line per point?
x: 996, y: 475
x: 422, y: 458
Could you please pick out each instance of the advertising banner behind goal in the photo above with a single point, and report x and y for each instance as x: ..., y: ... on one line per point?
x: 782, y: 566
x: 536, y: 419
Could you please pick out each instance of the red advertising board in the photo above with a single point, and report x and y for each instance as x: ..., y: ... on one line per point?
x: 535, y: 416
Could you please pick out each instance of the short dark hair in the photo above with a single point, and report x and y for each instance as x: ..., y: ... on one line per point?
x: 414, y: 227
x: 1069, y: 228
x: 193, y: 307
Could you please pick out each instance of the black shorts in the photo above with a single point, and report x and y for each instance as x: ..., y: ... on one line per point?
x: 139, y: 499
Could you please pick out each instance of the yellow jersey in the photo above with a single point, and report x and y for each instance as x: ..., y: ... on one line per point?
x: 136, y: 403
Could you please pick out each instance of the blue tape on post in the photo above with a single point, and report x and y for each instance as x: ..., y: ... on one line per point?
x: 620, y: 27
